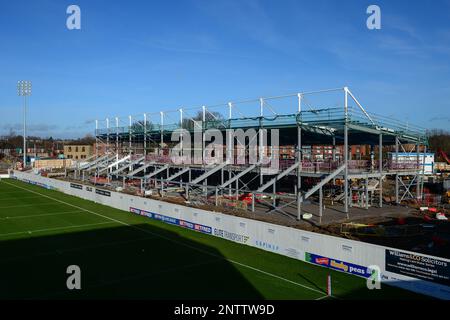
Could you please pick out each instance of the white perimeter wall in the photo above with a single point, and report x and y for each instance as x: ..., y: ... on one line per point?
x: 279, y: 239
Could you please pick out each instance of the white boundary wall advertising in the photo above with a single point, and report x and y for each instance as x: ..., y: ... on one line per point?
x: 412, y: 271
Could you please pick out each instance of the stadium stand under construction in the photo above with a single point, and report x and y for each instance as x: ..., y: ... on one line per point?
x: 135, y: 154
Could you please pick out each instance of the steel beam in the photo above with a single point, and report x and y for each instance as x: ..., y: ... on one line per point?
x: 145, y: 166
x: 209, y: 172
x: 239, y: 175
x: 128, y: 165
x: 278, y: 177
x: 177, y: 174
x: 157, y: 171
x: 323, y: 182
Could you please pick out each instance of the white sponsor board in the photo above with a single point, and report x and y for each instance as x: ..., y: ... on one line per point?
x: 407, y: 270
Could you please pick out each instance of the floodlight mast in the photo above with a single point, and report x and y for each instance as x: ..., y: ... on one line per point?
x: 24, y: 90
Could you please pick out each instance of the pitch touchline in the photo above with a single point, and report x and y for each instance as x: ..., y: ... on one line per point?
x: 169, y: 239
x: 39, y: 215
x: 15, y: 198
x: 26, y: 205
x: 54, y: 229
x: 11, y: 192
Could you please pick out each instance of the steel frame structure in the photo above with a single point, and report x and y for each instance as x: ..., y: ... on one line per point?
x: 140, y: 144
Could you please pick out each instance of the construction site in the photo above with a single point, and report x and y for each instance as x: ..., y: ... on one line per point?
x: 377, y: 197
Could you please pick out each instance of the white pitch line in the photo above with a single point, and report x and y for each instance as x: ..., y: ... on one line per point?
x: 18, y: 198
x: 53, y: 229
x: 27, y: 205
x: 172, y: 240
x: 39, y: 215
x: 10, y: 192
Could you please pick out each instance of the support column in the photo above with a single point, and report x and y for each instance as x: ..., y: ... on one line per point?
x: 96, y: 139
x: 229, y: 186
x: 130, y: 133
x: 274, y: 190
x: 423, y: 171
x: 145, y: 134
x: 321, y: 205
x: 181, y: 136
x: 418, y: 171
x: 334, y: 149
x: 203, y: 134
x: 261, y: 144
x: 107, y: 135
x: 299, y: 177
x: 161, y: 146
x: 346, y: 152
x: 380, y: 168
x: 396, y: 169
x: 299, y: 158
x: 117, y: 135
x: 367, y: 193
x: 230, y: 144
x: 253, y: 202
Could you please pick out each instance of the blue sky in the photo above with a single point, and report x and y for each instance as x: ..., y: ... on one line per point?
x: 132, y: 57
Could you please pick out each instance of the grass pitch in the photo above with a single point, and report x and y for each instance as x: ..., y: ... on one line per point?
x: 122, y: 255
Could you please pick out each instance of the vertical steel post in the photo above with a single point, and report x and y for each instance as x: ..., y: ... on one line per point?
x: 117, y: 135
x: 181, y: 135
x: 367, y: 192
x: 299, y: 158
x: 96, y: 139
x: 261, y: 146
x: 380, y: 168
x: 423, y: 171
x: 162, y: 134
x: 346, y: 151
x: 418, y: 172
x: 230, y: 144
x: 396, y: 169
x: 203, y: 134
x: 274, y: 190
x: 321, y: 205
x: 217, y: 196
x: 253, y: 202
x: 333, y: 156
x: 145, y: 134
x: 107, y: 135
x: 130, y: 133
